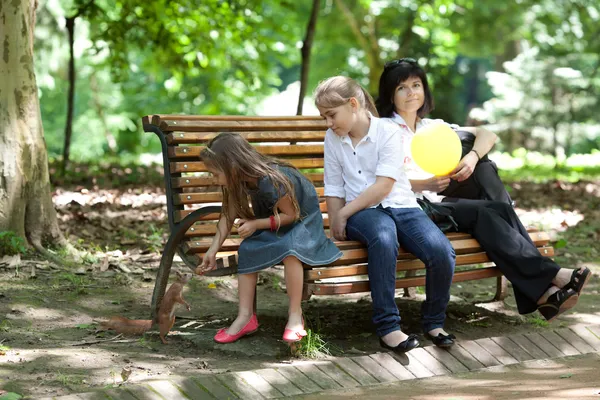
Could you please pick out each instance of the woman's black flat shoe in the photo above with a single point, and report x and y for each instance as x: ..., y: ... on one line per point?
x: 410, y: 343
x: 558, y: 303
x: 579, y: 279
x: 441, y: 340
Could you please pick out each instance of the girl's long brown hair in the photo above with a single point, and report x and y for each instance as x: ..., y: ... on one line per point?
x: 239, y: 161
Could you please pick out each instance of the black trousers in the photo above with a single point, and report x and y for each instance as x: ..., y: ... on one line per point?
x: 483, y: 184
x: 497, y: 228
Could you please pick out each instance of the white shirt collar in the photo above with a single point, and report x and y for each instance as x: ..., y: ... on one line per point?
x: 400, y: 121
x: 371, y: 135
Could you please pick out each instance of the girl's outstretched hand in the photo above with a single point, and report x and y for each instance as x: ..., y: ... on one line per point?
x: 246, y: 228
x: 209, y: 262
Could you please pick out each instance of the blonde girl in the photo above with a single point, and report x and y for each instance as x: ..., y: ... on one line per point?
x: 369, y: 199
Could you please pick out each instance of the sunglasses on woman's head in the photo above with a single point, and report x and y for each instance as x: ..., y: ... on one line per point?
x: 393, y: 63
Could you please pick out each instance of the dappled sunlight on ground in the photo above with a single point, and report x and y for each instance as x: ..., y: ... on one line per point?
x: 550, y: 219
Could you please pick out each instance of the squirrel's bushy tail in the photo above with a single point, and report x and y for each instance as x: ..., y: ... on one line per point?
x: 128, y: 326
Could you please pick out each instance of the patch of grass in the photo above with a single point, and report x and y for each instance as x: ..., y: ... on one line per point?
x: 86, y: 326
x: 145, y: 343
x: 11, y: 244
x: 313, y: 345
x: 541, y: 322
x: 155, y: 239
x: 68, y: 380
x: 77, y: 282
x: 5, y: 325
x: 122, y: 280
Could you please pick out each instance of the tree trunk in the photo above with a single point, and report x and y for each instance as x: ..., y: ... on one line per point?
x: 25, y: 203
x: 306, y: 50
x: 70, y: 25
x: 367, y: 43
x: 110, y: 138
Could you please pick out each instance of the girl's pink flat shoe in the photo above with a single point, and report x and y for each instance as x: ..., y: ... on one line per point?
x: 223, y: 337
x: 292, y: 336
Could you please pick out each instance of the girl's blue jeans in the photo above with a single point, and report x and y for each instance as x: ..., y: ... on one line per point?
x: 383, y: 230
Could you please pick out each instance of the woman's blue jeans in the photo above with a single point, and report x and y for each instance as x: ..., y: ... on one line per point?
x: 383, y: 230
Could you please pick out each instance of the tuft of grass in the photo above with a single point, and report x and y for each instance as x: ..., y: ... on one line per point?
x: 537, y: 321
x: 77, y: 282
x: 68, y: 380
x: 11, y: 244
x: 155, y: 239
x: 313, y: 345
x: 5, y: 325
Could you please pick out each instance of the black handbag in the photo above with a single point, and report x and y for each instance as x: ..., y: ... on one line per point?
x: 440, y: 215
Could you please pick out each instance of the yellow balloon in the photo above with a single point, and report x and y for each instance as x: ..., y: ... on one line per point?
x: 436, y: 149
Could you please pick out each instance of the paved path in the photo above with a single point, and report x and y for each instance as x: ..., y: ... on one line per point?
x: 375, y: 374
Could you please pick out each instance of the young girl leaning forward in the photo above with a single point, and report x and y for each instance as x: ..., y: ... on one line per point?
x: 281, y: 223
x: 369, y: 199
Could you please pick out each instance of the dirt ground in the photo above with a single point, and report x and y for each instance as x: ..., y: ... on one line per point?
x: 50, y: 345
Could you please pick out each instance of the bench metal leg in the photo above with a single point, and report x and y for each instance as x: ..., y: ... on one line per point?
x: 166, y: 261
x: 501, y: 288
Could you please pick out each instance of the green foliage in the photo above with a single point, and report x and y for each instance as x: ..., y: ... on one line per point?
x: 523, y: 165
x: 11, y: 244
x: 156, y: 239
x: 11, y: 396
x: 225, y: 57
x: 545, y: 103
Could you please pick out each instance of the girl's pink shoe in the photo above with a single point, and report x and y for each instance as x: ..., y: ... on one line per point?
x: 223, y: 337
x: 292, y: 336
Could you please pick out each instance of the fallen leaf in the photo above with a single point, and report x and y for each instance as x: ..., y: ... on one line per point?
x: 125, y: 373
x: 212, y: 286
x: 104, y: 265
x: 11, y: 261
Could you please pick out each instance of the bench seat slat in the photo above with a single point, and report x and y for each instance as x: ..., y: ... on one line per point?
x: 363, y: 286
x: 201, y: 245
x: 316, y: 274
x: 359, y: 255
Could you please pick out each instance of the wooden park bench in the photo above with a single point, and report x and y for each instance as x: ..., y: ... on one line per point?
x: 193, y: 204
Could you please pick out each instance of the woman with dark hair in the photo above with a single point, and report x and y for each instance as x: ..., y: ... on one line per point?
x: 538, y: 282
x: 405, y: 98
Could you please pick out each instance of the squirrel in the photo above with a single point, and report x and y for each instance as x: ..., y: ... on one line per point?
x: 165, y: 317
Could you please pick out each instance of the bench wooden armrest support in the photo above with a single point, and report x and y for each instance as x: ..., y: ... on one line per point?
x: 194, y: 204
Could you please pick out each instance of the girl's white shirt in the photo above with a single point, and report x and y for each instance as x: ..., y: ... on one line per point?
x: 350, y: 170
x: 413, y: 171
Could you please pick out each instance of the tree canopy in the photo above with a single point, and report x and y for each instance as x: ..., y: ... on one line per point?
x: 225, y: 57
